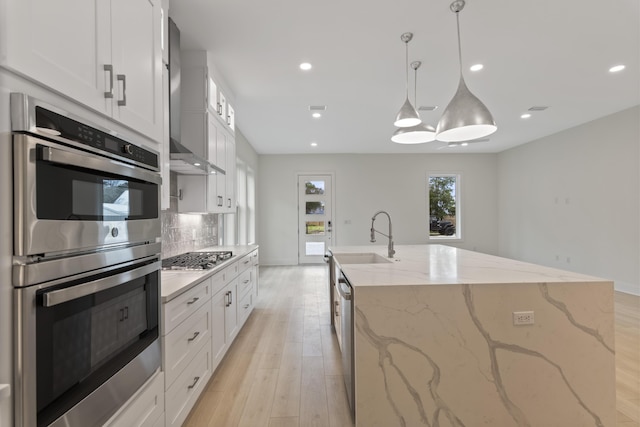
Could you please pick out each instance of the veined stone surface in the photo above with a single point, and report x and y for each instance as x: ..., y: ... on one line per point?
x: 450, y: 355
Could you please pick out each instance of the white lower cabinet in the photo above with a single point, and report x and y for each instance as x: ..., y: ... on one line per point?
x: 218, y: 332
x: 184, y: 392
x: 198, y: 328
x: 145, y: 409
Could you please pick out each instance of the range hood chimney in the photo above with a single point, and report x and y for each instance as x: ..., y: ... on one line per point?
x: 182, y: 160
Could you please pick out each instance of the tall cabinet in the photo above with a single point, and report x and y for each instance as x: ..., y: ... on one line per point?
x: 208, y: 129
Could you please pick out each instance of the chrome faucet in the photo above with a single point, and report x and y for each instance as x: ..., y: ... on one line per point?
x: 390, y: 236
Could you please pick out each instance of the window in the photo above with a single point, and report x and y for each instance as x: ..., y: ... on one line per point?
x: 444, y: 206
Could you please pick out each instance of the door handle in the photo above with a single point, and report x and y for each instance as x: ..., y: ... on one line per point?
x: 109, y: 69
x: 123, y: 79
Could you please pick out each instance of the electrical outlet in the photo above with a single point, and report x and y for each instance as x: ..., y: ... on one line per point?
x: 523, y: 318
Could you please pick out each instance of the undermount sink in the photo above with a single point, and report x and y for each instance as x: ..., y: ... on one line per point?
x: 363, y: 258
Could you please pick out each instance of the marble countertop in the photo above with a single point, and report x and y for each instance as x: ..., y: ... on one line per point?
x: 175, y: 282
x: 415, y: 265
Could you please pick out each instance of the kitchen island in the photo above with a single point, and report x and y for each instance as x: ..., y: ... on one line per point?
x: 435, y: 340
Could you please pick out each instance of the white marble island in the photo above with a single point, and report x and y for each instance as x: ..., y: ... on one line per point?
x: 435, y: 343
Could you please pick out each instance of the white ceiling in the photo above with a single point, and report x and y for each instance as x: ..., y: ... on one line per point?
x: 535, y: 53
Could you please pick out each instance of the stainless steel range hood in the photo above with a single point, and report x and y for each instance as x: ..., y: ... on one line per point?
x: 182, y: 160
x: 185, y: 162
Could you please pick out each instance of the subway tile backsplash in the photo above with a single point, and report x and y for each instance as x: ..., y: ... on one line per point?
x: 186, y: 232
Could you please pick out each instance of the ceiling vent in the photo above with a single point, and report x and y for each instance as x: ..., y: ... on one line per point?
x: 538, y: 108
x: 317, y: 107
x: 427, y: 107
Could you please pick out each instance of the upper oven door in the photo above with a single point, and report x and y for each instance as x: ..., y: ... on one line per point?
x: 69, y: 200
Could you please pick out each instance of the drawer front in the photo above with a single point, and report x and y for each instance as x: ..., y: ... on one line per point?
x: 244, y: 263
x: 184, y: 392
x: 177, y: 310
x: 182, y: 344
x: 146, y: 409
x: 244, y: 307
x: 223, y: 277
x: 245, y: 282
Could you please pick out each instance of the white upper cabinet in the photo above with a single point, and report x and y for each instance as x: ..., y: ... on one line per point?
x: 103, y: 54
x: 137, y: 63
x: 200, y: 91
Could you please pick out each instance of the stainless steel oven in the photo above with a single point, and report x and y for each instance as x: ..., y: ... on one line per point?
x: 86, y: 267
x: 78, y: 187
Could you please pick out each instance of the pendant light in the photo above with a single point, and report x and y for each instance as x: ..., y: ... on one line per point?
x: 415, y: 134
x: 407, y: 116
x: 466, y: 117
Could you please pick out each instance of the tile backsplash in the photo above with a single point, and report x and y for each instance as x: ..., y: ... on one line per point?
x: 186, y: 232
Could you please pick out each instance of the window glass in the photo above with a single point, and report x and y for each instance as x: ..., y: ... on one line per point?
x: 444, y: 209
x: 315, y: 227
x: 314, y: 187
x: 314, y: 208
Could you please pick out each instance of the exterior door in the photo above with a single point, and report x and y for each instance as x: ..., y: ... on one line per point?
x: 315, y: 217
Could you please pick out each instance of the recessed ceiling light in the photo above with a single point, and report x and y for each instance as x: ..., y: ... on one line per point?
x: 476, y: 67
x: 616, y: 68
x: 196, y: 164
x: 316, y: 115
x: 464, y: 144
x: 525, y: 116
x: 314, y: 144
x: 305, y: 66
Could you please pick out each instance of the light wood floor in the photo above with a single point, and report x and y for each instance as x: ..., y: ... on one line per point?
x: 284, y: 369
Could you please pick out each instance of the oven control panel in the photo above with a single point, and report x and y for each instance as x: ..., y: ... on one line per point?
x: 54, y: 124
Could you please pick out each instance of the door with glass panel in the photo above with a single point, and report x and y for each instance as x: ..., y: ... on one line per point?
x: 315, y: 219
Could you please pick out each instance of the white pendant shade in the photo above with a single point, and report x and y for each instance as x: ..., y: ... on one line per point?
x: 407, y: 116
x: 465, y: 118
x: 414, y: 135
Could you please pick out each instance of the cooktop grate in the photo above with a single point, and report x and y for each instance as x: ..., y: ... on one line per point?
x: 195, y: 260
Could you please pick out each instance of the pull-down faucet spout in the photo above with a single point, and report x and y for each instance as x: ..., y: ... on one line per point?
x: 389, y: 236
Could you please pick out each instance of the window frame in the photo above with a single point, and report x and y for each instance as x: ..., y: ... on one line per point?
x: 458, y: 236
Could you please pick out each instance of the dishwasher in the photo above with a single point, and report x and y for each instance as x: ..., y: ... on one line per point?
x: 346, y: 326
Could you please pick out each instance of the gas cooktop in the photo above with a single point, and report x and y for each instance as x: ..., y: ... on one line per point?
x: 195, y: 260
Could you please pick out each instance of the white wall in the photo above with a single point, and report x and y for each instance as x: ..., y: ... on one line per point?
x: 571, y: 200
x: 365, y: 183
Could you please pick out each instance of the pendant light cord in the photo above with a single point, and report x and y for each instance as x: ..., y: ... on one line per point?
x: 406, y: 64
x: 459, y: 44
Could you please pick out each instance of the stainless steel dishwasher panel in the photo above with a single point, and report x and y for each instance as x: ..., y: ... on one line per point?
x: 346, y: 325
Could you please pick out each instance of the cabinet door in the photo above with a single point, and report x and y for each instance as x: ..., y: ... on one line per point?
x: 192, y: 190
x: 230, y: 177
x: 221, y: 161
x: 218, y: 332
x: 230, y: 315
x: 231, y: 118
x: 61, y: 44
x: 212, y: 97
x: 137, y: 64
x: 222, y: 106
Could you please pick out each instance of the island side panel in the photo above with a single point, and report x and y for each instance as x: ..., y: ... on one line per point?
x: 451, y: 353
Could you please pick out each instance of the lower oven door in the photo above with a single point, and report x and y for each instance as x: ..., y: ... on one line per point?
x: 86, y: 345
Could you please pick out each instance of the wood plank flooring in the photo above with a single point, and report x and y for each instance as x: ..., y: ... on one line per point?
x: 284, y: 368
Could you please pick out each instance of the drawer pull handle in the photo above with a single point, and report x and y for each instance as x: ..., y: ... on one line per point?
x: 195, y: 335
x: 193, y: 300
x: 246, y: 281
x: 246, y: 262
x: 195, y: 381
x: 247, y: 305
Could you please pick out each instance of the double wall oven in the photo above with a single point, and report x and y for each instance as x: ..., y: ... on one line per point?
x: 86, y: 267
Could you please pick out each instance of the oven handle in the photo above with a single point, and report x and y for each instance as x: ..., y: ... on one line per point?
x: 59, y: 296
x: 62, y: 157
